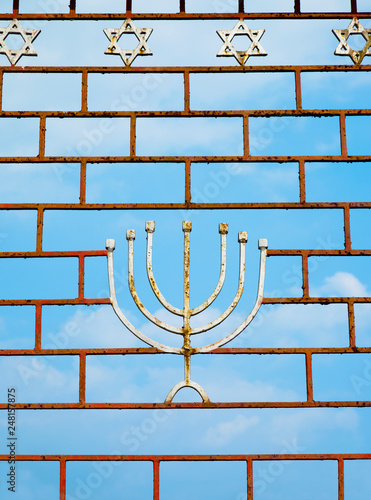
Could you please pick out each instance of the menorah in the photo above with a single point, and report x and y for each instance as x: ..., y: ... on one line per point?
x: 186, y: 313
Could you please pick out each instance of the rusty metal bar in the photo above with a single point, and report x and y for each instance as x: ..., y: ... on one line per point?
x: 196, y: 405
x: 186, y: 92
x: 347, y: 235
x: 156, y: 479
x: 81, y: 276
x: 184, y: 16
x: 15, y: 7
x: 62, y: 480
x: 246, y: 137
x: 353, y: 7
x: 305, y: 285
x: 84, y: 91
x: 191, y: 69
x: 39, y: 231
x: 351, y: 325
x: 298, y: 93
x: 343, y: 134
x: 191, y: 113
x: 83, y: 182
x: 42, y: 136
x: 309, y: 375
x: 38, y: 314
x: 1, y: 88
x: 302, y: 181
x: 181, y: 6
x: 241, y: 6
x: 297, y: 6
x: 128, y: 6
x: 341, y: 478
x: 82, y: 377
x: 250, y: 480
x: 188, y: 183
x: 152, y: 350
x: 133, y: 135
x: 191, y: 458
x: 182, y: 206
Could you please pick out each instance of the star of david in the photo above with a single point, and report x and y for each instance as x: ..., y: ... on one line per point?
x: 343, y: 49
x: 28, y: 36
x: 242, y: 56
x: 128, y: 56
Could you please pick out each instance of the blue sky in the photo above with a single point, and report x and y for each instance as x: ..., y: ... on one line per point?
x: 149, y: 378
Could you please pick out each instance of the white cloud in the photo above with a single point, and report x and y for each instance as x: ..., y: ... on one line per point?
x: 341, y: 284
x: 224, y: 432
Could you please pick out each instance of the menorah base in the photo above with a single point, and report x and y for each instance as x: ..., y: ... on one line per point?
x: 192, y: 385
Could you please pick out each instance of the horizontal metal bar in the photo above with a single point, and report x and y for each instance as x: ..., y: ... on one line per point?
x: 54, y: 302
x: 54, y: 254
x: 128, y: 351
x: 181, y: 16
x: 184, y: 206
x: 103, y: 253
x: 188, y: 458
x: 186, y: 114
x: 190, y: 69
x: 173, y: 406
x: 183, y: 159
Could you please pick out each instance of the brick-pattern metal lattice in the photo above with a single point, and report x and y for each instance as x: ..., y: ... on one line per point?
x: 304, y: 254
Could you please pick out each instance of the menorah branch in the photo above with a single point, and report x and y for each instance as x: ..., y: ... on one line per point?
x: 150, y: 229
x: 223, y: 230
x: 110, y: 246
x: 130, y: 236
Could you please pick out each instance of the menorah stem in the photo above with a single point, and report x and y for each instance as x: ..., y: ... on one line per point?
x: 187, y: 368
x: 187, y: 227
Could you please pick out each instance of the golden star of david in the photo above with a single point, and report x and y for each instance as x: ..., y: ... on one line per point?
x: 343, y: 49
x: 242, y: 56
x: 128, y: 56
x: 28, y: 36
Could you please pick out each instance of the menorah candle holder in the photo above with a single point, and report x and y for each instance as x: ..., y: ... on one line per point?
x: 186, y: 313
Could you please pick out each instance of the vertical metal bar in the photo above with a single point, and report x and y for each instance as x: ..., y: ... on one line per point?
x: 15, y: 7
x: 187, y: 182
x: 72, y: 6
x: 341, y: 478
x: 42, y: 136
x: 62, y: 480
x: 347, y: 236
x: 128, y: 6
x: 84, y: 91
x: 81, y: 276
x: 298, y: 94
x: 343, y: 135
x: 302, y: 181
x: 38, y: 314
x: 297, y: 7
x: 250, y: 480
x: 187, y: 94
x: 181, y: 6
x: 305, y: 275
x: 309, y: 375
x: 133, y: 135
x: 82, y: 377
x: 246, y: 139
x: 83, y: 182
x: 351, y: 324
x: 39, y: 229
x: 156, y: 480
x: 1, y: 89
x: 241, y: 6
x: 353, y: 8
